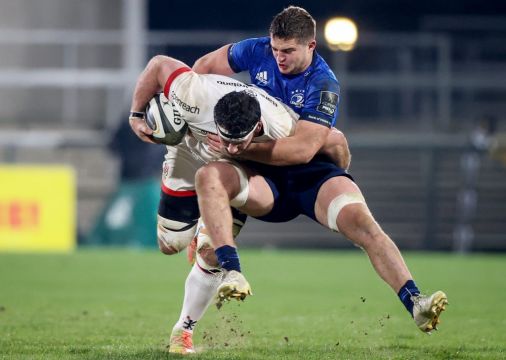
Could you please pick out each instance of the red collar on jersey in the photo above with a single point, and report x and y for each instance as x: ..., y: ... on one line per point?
x: 171, y: 78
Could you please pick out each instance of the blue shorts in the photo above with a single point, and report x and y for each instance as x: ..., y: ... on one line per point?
x: 296, y: 187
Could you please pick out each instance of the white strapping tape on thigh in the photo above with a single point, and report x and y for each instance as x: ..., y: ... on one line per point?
x: 338, y: 204
x: 242, y: 197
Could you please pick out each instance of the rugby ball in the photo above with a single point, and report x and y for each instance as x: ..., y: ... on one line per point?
x: 165, y: 120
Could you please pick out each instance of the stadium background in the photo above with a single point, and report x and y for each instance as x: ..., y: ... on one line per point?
x: 423, y: 107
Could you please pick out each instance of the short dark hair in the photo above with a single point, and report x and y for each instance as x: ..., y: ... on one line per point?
x: 293, y: 23
x: 237, y: 112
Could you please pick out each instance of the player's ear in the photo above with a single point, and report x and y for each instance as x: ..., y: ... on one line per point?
x: 312, y: 44
x: 259, y: 126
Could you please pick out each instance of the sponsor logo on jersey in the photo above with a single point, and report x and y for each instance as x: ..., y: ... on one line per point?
x: 250, y: 92
x: 328, y: 102
x: 317, y: 119
x: 191, y: 109
x: 200, y: 132
x: 261, y: 77
x: 297, y: 98
x: 231, y: 83
x: 264, y: 95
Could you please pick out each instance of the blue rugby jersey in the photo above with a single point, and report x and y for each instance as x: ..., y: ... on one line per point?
x: 313, y: 94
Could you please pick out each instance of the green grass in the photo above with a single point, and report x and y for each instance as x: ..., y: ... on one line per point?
x: 121, y: 304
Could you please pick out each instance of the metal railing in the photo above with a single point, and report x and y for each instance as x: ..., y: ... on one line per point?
x: 418, y: 90
x: 408, y: 88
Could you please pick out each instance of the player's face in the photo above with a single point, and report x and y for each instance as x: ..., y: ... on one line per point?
x: 292, y: 56
x: 236, y: 148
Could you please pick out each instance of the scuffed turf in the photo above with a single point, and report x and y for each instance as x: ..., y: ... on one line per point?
x: 121, y: 304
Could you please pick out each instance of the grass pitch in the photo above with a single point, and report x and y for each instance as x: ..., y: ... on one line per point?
x: 121, y: 304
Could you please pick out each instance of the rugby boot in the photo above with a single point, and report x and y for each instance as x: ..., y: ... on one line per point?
x: 181, y: 342
x: 427, y: 309
x: 233, y: 286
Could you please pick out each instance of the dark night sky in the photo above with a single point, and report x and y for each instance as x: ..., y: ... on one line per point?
x: 383, y: 15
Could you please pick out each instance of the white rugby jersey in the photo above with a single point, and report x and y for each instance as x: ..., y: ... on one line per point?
x: 195, y: 96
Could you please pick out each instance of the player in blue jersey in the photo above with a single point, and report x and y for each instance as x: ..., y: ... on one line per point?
x: 178, y: 210
x: 287, y: 66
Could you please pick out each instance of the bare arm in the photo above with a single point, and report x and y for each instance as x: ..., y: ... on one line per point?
x: 336, y: 148
x: 215, y: 62
x: 286, y: 151
x: 300, y: 148
x: 150, y: 82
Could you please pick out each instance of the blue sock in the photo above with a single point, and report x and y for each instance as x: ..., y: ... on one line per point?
x: 228, y: 258
x: 409, y: 289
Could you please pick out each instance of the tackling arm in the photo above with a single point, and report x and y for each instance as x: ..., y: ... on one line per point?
x: 300, y: 148
x: 215, y: 62
x: 150, y: 82
x: 336, y: 148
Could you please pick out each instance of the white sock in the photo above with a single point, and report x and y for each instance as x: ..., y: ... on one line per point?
x: 200, y: 290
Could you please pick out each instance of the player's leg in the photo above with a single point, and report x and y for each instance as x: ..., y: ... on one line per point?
x: 178, y: 215
x: 219, y: 185
x: 205, y: 254
x: 178, y: 208
x: 341, y: 207
x: 201, y: 287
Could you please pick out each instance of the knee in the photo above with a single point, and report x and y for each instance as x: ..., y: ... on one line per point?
x: 166, y: 248
x: 358, y: 225
x: 173, y: 236
x: 207, y: 175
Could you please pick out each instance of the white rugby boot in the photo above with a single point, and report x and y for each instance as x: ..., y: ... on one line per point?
x: 427, y: 309
x: 233, y: 286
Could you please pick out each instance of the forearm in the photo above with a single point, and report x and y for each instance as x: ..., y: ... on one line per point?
x: 299, y: 148
x: 150, y: 82
x: 336, y: 148
x: 281, y: 152
x: 147, y: 84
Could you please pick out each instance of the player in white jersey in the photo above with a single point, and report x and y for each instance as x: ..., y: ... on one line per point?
x: 195, y: 96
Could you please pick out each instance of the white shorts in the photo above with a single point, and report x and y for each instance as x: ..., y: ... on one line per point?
x: 179, y: 168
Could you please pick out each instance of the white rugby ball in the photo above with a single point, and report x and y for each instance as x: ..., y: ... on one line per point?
x: 165, y: 120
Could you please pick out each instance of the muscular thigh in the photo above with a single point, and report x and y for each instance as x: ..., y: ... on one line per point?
x: 249, y: 191
x: 295, y: 188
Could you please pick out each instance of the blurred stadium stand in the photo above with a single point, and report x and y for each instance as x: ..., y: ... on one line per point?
x: 409, y: 103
